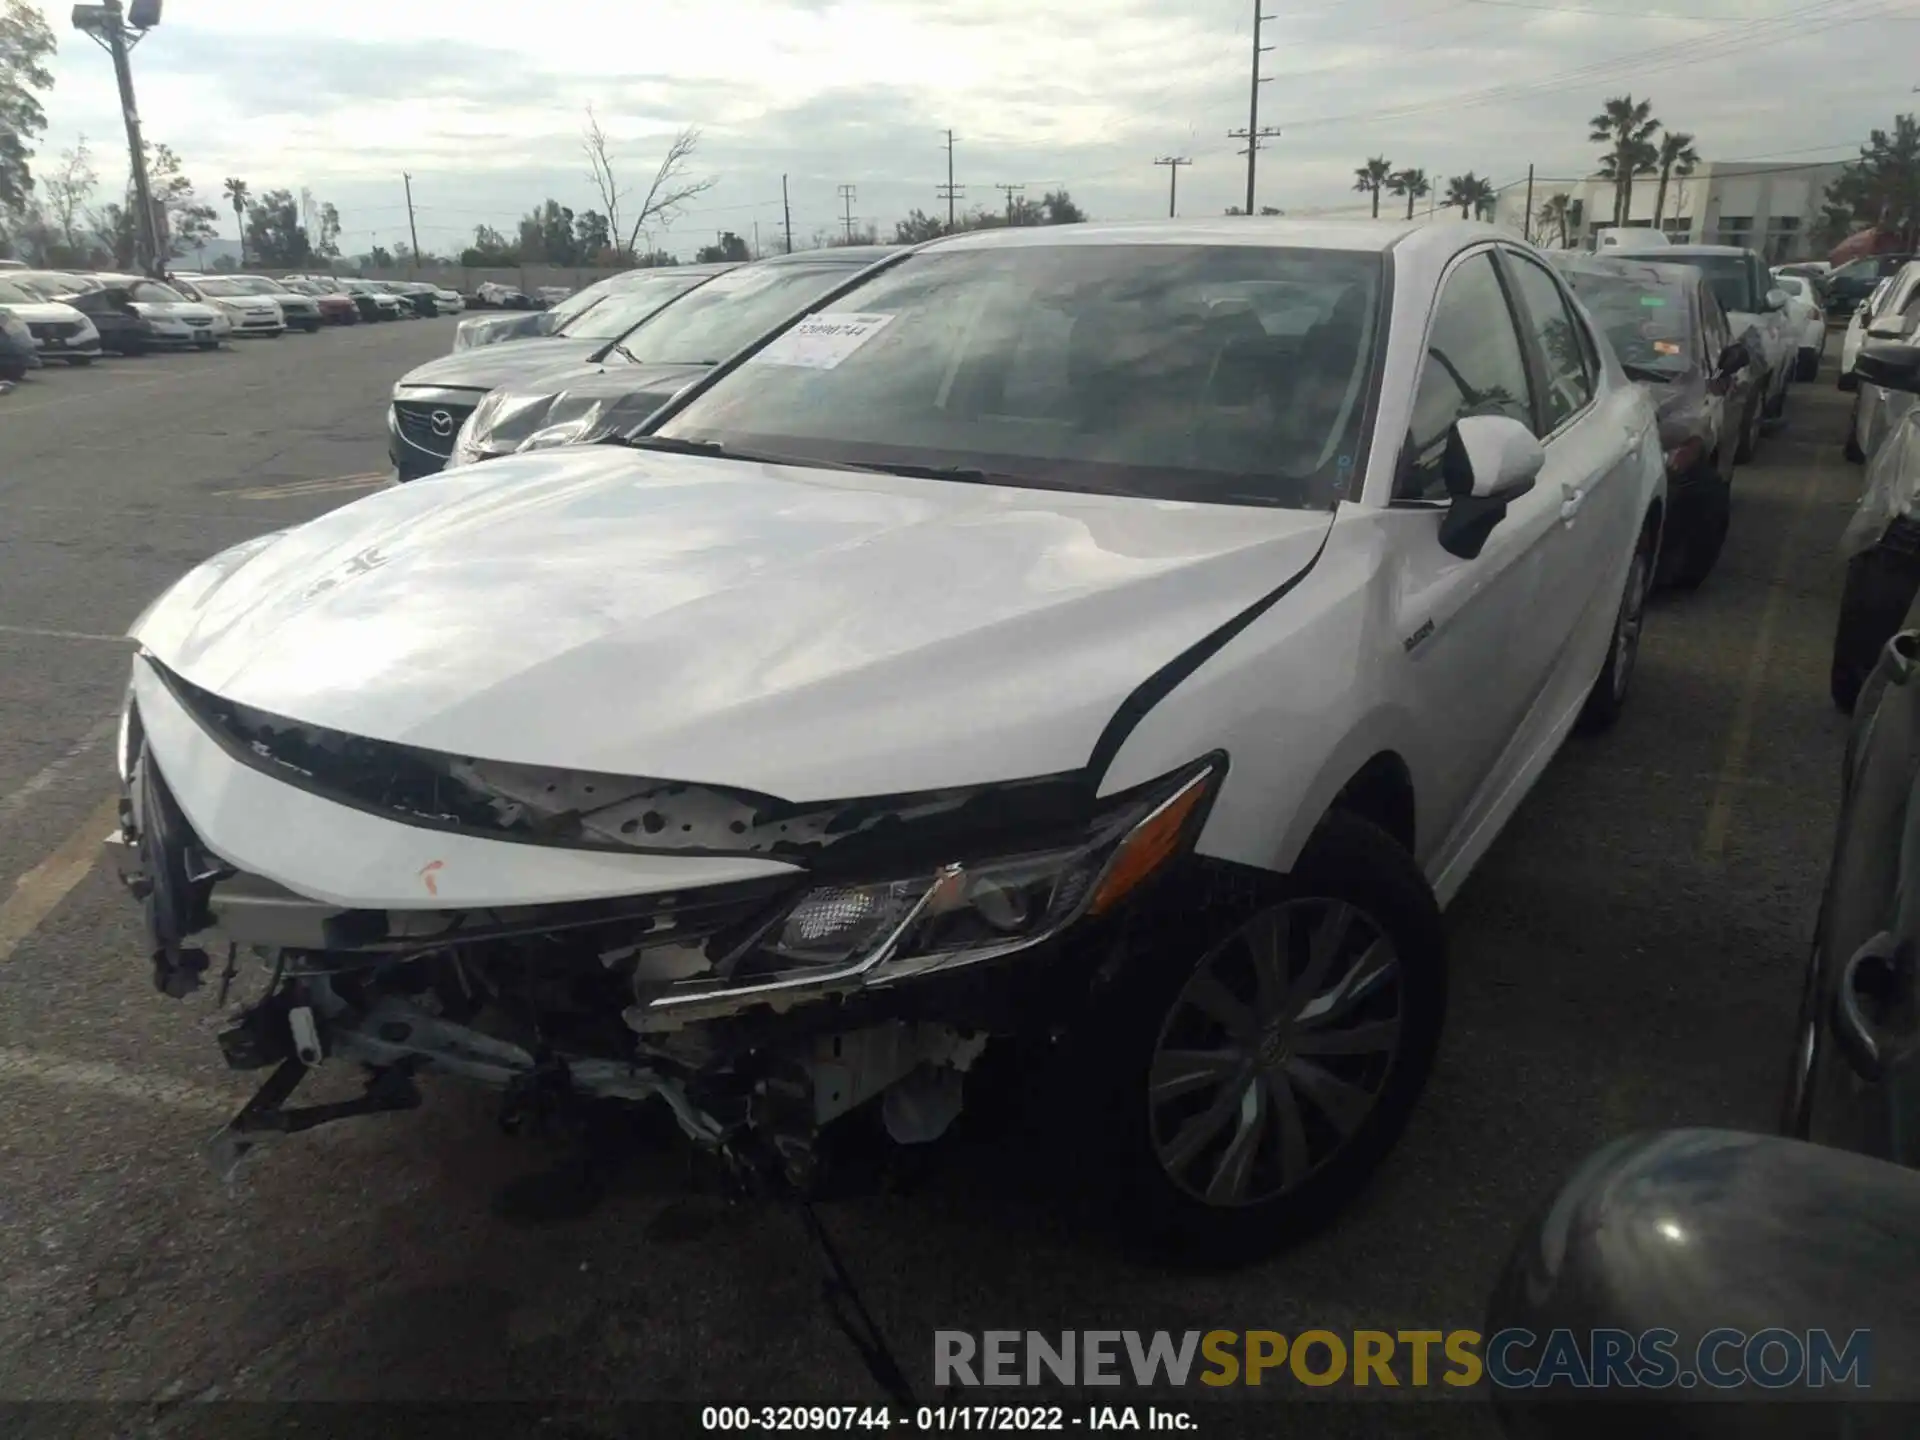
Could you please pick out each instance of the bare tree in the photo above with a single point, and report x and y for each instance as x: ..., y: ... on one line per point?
x: 669, y: 190
x: 69, y: 189
x: 600, y: 171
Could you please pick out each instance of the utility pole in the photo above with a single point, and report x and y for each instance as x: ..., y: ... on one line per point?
x: 1173, y: 164
x: 846, y: 203
x: 756, y: 239
x: 117, y: 32
x: 1526, y: 225
x: 1010, y: 191
x: 950, y: 192
x: 787, y: 211
x: 413, y: 231
x: 1253, y: 134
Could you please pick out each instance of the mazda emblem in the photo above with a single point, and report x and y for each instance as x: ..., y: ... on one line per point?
x: 442, y: 422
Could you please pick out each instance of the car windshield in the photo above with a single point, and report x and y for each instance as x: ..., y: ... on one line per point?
x: 11, y: 294
x: 582, y: 301
x: 152, y: 292
x: 1646, y: 319
x: 1792, y: 284
x: 261, y: 285
x: 1231, y: 374
x: 730, y: 311
x: 628, y: 306
x: 1728, y: 275
x: 221, y: 287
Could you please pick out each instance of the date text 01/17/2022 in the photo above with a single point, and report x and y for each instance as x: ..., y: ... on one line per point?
x: 938, y: 1419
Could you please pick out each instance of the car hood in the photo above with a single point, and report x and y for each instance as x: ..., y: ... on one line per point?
x: 572, y: 407
x: 49, y: 312
x: 478, y: 330
x: 803, y: 633
x: 489, y: 366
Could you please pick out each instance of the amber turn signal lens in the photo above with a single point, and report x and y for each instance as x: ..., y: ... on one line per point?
x: 1153, y: 842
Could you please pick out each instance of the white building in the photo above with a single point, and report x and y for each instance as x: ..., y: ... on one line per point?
x: 1773, y: 207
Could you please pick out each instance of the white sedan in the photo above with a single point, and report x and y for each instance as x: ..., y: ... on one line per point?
x: 59, y: 331
x: 1129, y: 634
x: 1807, y: 320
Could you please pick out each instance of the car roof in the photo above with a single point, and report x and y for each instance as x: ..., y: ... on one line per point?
x: 1419, y: 235
x: 1707, y: 250
x: 838, y: 254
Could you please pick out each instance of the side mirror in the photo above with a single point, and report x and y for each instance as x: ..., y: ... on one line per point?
x: 1490, y: 460
x: 1735, y: 358
x: 1776, y: 299
x: 1890, y: 364
x: 1716, y: 1245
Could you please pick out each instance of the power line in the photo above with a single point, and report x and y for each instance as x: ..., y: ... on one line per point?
x: 1173, y: 164
x: 1253, y: 134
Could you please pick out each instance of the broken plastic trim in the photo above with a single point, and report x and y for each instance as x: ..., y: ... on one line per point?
x: 582, y: 810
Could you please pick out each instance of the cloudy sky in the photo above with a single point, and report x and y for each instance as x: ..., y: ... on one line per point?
x: 484, y: 102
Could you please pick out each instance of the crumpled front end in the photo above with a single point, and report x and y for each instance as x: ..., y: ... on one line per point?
x: 760, y: 967
x: 600, y: 406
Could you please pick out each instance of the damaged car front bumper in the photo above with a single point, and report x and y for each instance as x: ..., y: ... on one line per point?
x: 875, y: 959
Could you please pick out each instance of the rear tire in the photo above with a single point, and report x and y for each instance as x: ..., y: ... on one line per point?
x: 1809, y: 365
x: 1310, y: 1119
x: 1700, y: 551
x: 1608, y: 698
x: 1881, y: 586
x: 1851, y: 447
x: 1749, y: 441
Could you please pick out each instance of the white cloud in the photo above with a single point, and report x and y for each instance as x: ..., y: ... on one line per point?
x: 483, y: 101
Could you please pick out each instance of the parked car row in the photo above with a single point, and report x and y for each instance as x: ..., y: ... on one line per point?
x: 74, y: 318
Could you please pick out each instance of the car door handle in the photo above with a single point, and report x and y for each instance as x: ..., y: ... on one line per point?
x: 1571, y: 499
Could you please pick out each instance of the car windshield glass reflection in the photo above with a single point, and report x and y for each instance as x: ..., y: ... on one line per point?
x: 153, y: 292
x: 1645, y: 321
x: 1728, y: 275
x: 729, y: 312
x: 1228, y: 374
x: 632, y: 303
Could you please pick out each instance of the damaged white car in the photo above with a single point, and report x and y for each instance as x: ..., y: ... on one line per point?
x: 1126, y: 635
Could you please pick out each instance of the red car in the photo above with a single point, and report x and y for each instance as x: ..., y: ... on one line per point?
x: 336, y: 307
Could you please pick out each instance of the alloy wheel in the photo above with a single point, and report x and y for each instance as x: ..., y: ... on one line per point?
x: 1275, y: 1052
x: 1626, y: 638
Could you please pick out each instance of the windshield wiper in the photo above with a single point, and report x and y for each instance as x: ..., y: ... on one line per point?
x: 667, y: 443
x: 965, y: 474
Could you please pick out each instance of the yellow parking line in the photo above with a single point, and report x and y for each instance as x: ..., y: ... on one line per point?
x: 1732, y: 777
x: 36, y: 893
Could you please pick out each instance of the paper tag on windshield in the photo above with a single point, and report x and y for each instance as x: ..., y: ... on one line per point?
x: 822, y: 341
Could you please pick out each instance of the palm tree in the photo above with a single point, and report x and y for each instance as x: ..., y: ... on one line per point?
x: 1554, y: 215
x: 237, y: 192
x: 1626, y: 126
x: 1675, y: 156
x: 1473, y: 195
x: 1371, y: 178
x: 1411, y: 183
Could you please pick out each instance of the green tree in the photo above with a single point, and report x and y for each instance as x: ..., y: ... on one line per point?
x: 546, y: 236
x: 69, y: 190
x: 1882, y: 187
x: 1371, y: 178
x: 1473, y: 195
x: 1060, y: 209
x: 1675, y: 156
x: 26, y: 44
x: 1553, y: 218
x: 1412, y: 184
x: 238, y: 193
x: 328, y: 245
x: 730, y: 247
x: 490, y: 250
x: 918, y: 226
x: 187, y: 221
x: 112, y: 227
x: 380, y: 258
x: 1626, y: 126
x: 592, y: 236
x: 275, y: 233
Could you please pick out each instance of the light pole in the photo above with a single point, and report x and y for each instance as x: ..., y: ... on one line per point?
x: 117, y: 31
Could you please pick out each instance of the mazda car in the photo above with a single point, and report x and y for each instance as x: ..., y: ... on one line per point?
x: 1121, y: 638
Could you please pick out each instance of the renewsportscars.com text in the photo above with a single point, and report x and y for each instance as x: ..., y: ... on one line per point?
x: 1510, y: 1359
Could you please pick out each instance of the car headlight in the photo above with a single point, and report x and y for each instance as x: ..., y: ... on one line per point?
x: 881, y: 931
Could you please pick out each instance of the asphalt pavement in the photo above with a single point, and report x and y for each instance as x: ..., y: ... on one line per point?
x: 1626, y: 957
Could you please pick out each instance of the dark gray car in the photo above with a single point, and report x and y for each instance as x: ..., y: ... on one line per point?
x: 432, y: 401
x: 620, y: 389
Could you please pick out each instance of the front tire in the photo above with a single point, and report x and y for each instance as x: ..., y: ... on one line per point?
x: 1700, y: 550
x: 1809, y: 365
x: 1264, y: 1045
x: 1749, y: 442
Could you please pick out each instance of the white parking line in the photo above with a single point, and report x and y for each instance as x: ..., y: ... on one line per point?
x: 99, y: 1076
x: 52, y: 773
x: 41, y: 632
